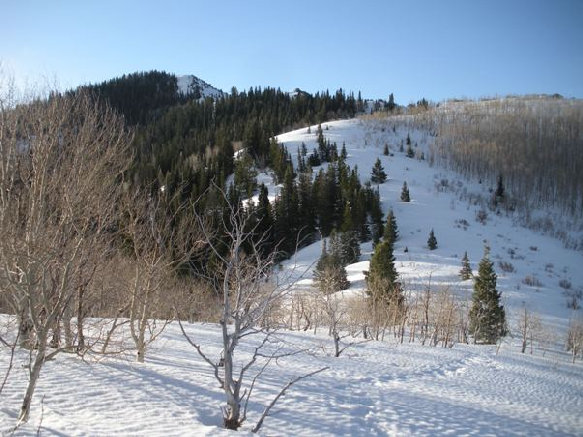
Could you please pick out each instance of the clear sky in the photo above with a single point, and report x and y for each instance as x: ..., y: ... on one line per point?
x: 435, y: 49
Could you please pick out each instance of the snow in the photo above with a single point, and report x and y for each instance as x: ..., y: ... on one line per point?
x: 373, y: 388
x: 188, y: 83
x: 437, y: 205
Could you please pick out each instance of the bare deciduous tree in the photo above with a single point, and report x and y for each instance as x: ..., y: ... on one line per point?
x: 61, y: 162
x: 575, y: 337
x: 528, y: 326
x: 245, y: 280
x: 161, y: 243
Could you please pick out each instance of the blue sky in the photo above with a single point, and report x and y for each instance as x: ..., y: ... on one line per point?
x: 432, y: 49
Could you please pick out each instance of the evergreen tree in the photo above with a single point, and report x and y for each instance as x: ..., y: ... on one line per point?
x: 286, y: 215
x: 499, y: 193
x: 343, y: 152
x: 386, y: 150
x: 376, y: 214
x: 245, y: 175
x: 347, y: 221
x: 487, y: 316
x: 432, y: 241
x: 410, y: 151
x: 405, y: 193
x: 378, y: 173
x: 466, y: 270
x: 264, y: 221
x: 345, y: 247
x: 391, y: 232
x: 306, y: 210
x: 391, y: 106
x: 382, y: 278
x: 329, y: 274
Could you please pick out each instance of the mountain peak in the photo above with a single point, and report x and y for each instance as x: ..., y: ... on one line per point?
x: 192, y: 85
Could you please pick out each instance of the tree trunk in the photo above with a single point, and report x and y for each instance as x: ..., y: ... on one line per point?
x: 232, y: 413
x: 80, y: 320
x: 34, y: 376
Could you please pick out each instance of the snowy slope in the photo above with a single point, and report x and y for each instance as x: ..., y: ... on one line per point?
x: 374, y: 388
x: 188, y: 84
x: 435, y: 204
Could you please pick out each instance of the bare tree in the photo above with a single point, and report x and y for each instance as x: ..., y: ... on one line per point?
x: 575, y: 337
x: 528, y: 326
x: 61, y: 162
x: 243, y: 277
x: 161, y: 242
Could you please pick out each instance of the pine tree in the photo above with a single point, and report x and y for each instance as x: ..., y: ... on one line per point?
x: 500, y: 188
x: 391, y: 232
x: 378, y: 173
x: 405, y: 193
x: 343, y: 152
x: 487, y: 316
x: 386, y: 150
x: 329, y: 274
x: 382, y: 277
x: 466, y: 270
x: 245, y: 175
x: 391, y: 106
x: 306, y: 209
x: 287, y: 218
x: 264, y: 221
x: 432, y: 241
x: 499, y: 193
x: 410, y: 151
x: 345, y: 247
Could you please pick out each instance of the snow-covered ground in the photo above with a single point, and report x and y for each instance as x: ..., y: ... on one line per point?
x: 373, y: 388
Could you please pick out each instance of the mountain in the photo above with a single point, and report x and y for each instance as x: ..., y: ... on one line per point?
x: 192, y: 85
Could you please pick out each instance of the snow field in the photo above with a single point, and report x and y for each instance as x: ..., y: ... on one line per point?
x: 531, y: 255
x: 374, y: 388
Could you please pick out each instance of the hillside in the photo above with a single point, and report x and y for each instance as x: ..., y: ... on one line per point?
x: 435, y: 205
x: 373, y: 388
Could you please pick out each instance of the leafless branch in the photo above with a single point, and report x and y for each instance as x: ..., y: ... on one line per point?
x: 257, y: 427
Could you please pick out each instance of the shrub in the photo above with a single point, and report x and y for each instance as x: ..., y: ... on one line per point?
x: 531, y: 281
x: 482, y: 216
x: 506, y: 266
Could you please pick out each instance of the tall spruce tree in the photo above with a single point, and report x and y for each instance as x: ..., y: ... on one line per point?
x: 382, y: 278
x: 466, y: 270
x: 432, y: 241
x: 391, y: 105
x: 345, y: 246
x: 378, y: 173
x: 487, y: 316
x: 405, y: 193
x: 391, y: 232
x: 330, y: 274
x: 410, y: 151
